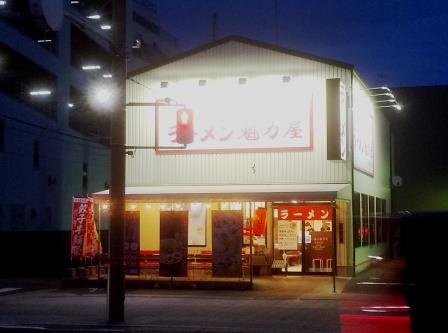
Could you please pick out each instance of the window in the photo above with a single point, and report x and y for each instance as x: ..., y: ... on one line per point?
x: 36, y: 157
x: 364, y: 220
x: 379, y: 220
x: 357, y: 227
x: 372, y: 222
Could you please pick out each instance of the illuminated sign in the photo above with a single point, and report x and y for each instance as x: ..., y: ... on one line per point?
x: 242, y: 122
x: 343, y: 120
x: 336, y: 120
x: 322, y: 212
x: 363, y: 131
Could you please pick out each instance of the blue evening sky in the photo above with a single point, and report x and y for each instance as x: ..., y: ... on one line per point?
x: 393, y: 42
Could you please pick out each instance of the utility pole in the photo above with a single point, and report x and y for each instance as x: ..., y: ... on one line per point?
x: 116, y: 281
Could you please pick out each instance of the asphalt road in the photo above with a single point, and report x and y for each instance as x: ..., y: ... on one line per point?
x: 371, y: 302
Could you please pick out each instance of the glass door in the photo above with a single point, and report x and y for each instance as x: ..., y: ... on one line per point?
x: 288, y: 243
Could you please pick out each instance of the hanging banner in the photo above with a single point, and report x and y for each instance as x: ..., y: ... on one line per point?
x: 80, y: 212
x: 227, y: 243
x: 132, y: 243
x: 321, y: 212
x: 259, y: 222
x: 173, y: 243
x: 85, y: 240
x: 197, y: 221
x: 91, y: 239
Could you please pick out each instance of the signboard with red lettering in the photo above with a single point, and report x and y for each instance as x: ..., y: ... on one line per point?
x: 321, y: 212
x: 79, y: 216
x: 132, y: 242
x: 84, y: 236
x: 267, y: 123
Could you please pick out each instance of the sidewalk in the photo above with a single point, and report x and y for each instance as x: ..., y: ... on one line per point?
x: 277, y: 304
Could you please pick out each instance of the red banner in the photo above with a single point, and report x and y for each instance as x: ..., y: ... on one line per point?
x: 259, y: 222
x: 84, y: 236
x: 132, y: 243
x: 79, y: 217
x: 321, y: 212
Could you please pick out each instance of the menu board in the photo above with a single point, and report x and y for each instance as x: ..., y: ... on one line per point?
x: 287, y: 235
x: 173, y: 243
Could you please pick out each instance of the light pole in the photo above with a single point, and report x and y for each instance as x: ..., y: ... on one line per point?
x: 116, y: 281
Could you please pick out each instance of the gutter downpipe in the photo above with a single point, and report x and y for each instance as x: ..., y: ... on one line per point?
x: 352, y: 153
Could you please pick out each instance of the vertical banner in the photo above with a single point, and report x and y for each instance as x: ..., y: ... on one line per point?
x: 197, y: 221
x: 90, y: 247
x: 132, y: 243
x: 227, y: 243
x: 259, y: 222
x: 84, y: 237
x: 173, y: 243
x: 79, y: 216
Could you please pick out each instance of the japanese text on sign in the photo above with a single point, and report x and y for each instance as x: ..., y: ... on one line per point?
x: 323, y: 212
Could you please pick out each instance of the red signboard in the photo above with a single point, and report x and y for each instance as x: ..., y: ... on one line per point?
x: 320, y: 212
x: 84, y: 237
x: 79, y: 215
x: 259, y: 222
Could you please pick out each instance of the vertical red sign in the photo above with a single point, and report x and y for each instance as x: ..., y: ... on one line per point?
x: 90, y: 246
x: 259, y: 222
x: 79, y: 212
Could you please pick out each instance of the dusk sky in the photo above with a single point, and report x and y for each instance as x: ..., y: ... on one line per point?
x: 392, y: 42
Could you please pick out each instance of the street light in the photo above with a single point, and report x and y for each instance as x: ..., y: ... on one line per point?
x: 103, y: 95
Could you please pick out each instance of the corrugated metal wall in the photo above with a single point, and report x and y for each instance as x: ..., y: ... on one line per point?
x: 232, y: 59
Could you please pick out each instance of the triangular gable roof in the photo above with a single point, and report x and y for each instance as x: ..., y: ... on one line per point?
x: 243, y: 40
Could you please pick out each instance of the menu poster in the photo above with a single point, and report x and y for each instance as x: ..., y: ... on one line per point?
x: 227, y: 243
x: 173, y: 243
x: 287, y: 235
x: 197, y: 220
x: 132, y: 243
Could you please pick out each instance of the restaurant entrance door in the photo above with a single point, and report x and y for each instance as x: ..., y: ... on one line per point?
x: 303, y: 245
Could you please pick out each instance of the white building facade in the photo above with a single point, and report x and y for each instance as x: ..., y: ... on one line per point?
x: 264, y: 146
